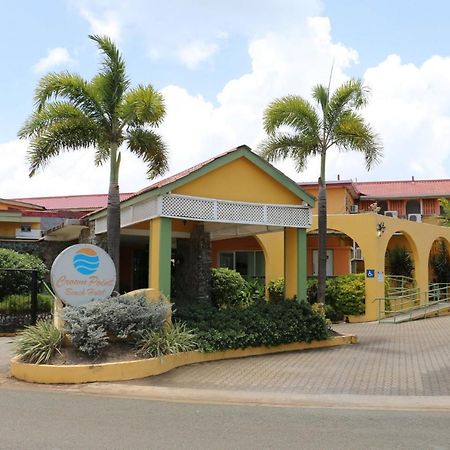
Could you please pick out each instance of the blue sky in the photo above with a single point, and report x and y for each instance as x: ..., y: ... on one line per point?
x: 219, y: 64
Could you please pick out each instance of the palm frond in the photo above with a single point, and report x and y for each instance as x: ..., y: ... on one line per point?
x: 291, y: 111
x: 61, y: 136
x: 284, y: 145
x: 150, y: 147
x: 143, y: 105
x: 321, y: 95
x: 352, y: 133
x: 48, y: 115
x: 351, y: 95
x: 71, y: 88
x: 112, y: 78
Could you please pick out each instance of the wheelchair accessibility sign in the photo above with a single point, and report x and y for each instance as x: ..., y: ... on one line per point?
x: 370, y: 273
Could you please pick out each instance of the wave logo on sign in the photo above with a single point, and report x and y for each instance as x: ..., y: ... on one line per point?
x: 86, y: 261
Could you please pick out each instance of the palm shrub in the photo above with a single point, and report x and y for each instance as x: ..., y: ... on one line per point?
x: 38, y: 343
x: 400, y: 262
x: 440, y: 262
x: 169, y: 340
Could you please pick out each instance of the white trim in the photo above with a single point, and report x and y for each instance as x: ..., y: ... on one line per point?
x: 204, y: 209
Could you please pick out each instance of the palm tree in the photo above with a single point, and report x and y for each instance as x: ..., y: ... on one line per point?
x: 73, y: 113
x: 298, y: 130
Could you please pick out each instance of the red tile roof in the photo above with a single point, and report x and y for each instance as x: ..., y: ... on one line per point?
x: 73, y: 202
x: 404, y: 189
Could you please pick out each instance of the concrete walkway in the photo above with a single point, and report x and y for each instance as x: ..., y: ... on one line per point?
x: 394, y: 366
x: 409, y: 359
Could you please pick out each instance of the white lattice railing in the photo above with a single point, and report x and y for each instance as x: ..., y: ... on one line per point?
x: 212, y: 210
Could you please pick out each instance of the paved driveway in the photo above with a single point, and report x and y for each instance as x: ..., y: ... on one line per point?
x: 391, y: 359
x: 5, y: 354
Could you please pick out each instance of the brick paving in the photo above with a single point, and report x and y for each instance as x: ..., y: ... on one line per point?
x: 409, y: 359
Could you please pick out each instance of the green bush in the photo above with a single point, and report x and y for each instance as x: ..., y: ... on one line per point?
x: 171, y: 339
x: 90, y: 326
x: 38, y: 343
x: 261, y: 324
x: 276, y: 290
x: 228, y: 289
x: 331, y: 310
x: 18, y: 281
x: 348, y: 292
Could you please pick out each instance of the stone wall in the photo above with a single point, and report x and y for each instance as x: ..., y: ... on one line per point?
x: 192, y: 272
x: 46, y: 250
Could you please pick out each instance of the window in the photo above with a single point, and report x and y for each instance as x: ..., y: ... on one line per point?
x: 25, y: 228
x: 250, y: 265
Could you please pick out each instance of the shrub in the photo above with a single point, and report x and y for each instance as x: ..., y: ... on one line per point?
x: 440, y: 262
x: 20, y: 303
x: 228, y: 289
x: 331, y: 310
x: 276, y: 290
x: 171, y: 339
x: 18, y: 281
x: 348, y: 292
x: 400, y: 262
x: 38, y: 343
x: 91, y: 325
x: 253, y: 291
x: 261, y: 324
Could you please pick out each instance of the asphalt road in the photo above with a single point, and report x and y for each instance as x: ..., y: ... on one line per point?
x: 30, y: 419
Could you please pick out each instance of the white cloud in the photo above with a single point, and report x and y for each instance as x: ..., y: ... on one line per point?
x: 196, y: 52
x: 55, y: 57
x: 108, y: 24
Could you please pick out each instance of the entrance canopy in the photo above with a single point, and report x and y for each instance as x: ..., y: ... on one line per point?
x: 234, y: 194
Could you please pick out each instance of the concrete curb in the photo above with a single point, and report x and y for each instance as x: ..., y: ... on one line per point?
x: 131, y: 370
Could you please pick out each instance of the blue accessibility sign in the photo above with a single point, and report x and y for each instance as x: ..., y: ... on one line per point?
x: 370, y: 273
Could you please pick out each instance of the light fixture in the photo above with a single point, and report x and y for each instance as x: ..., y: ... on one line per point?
x: 380, y: 228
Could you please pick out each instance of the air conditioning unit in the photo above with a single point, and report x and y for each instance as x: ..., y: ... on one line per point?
x: 391, y: 213
x: 357, y: 254
x: 354, y: 209
x: 415, y: 217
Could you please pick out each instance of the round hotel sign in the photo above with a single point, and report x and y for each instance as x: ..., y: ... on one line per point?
x: 82, y: 273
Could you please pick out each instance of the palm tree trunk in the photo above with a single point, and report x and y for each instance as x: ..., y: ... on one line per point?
x: 322, y: 219
x: 113, y: 213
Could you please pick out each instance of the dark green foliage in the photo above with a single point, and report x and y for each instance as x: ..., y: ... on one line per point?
x: 38, y: 343
x: 440, y: 262
x: 228, y: 289
x: 261, y: 324
x: 400, y: 262
x: 171, y: 339
x: 253, y: 291
x: 90, y: 326
x: 276, y: 290
x: 18, y: 281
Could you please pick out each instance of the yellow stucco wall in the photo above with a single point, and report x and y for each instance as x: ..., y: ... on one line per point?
x: 240, y: 180
x: 362, y: 228
x: 338, y: 199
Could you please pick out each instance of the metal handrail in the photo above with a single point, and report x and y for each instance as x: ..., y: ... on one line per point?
x: 441, y: 291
